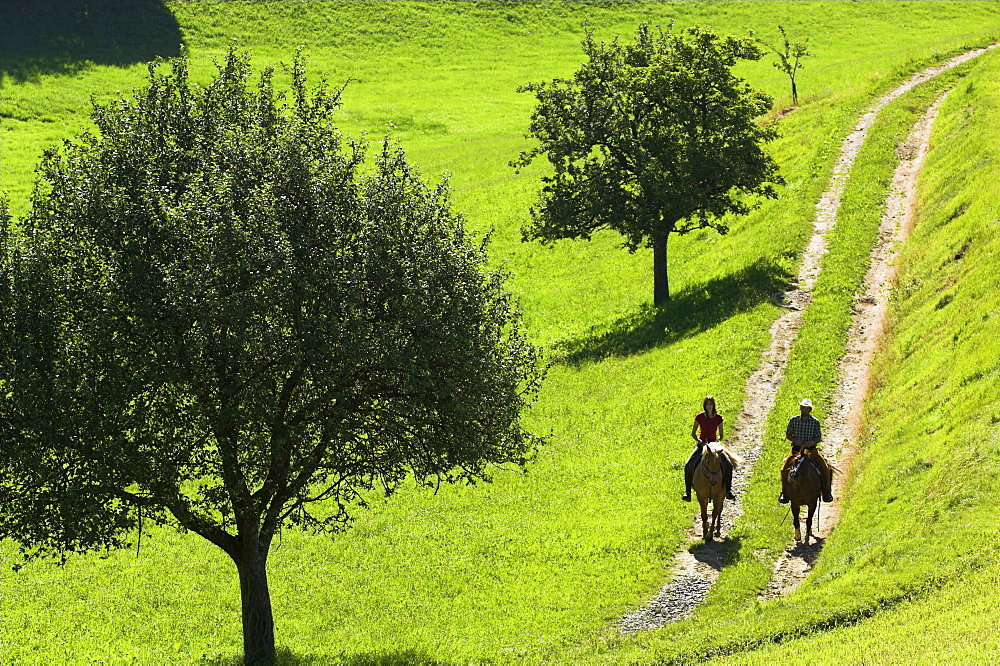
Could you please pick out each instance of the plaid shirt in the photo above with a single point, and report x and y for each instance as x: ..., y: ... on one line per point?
x: 803, y: 428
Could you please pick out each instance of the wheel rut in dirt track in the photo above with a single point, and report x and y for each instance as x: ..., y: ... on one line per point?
x: 697, y: 566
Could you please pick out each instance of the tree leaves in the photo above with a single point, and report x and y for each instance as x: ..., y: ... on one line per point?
x: 222, y: 316
x: 650, y: 138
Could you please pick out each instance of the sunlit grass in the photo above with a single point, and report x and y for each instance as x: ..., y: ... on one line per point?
x: 851, y: 588
x: 922, y: 507
x: 955, y: 625
x: 530, y: 567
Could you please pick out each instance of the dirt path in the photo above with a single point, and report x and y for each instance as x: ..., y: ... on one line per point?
x: 697, y: 566
x: 843, y: 424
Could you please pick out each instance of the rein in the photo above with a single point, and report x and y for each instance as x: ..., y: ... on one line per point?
x: 805, y: 459
x: 709, y: 474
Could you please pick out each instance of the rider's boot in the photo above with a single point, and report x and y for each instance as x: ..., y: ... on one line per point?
x: 727, y: 478
x: 689, y: 467
x: 783, y: 496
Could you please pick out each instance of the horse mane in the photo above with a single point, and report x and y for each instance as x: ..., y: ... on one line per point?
x: 719, y: 448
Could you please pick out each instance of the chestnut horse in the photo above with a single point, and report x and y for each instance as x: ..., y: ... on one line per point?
x: 708, y: 485
x: 805, y: 483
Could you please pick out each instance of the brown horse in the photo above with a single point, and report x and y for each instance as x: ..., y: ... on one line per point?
x: 805, y: 483
x: 708, y: 485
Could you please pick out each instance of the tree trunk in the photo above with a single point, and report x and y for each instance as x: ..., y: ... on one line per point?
x: 258, y: 621
x: 661, y: 287
x: 795, y: 94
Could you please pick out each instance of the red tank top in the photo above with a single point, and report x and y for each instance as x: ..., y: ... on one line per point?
x: 709, y: 426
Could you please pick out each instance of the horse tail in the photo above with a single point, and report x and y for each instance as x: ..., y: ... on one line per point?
x: 733, y: 458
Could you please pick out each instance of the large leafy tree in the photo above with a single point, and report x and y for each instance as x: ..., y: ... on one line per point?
x: 649, y: 139
x: 223, y: 321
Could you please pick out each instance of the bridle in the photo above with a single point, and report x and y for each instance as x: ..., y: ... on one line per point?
x: 803, y: 458
x: 712, y: 476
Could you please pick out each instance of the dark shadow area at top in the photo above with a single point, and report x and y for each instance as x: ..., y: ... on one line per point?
x: 39, y: 37
x: 695, y: 309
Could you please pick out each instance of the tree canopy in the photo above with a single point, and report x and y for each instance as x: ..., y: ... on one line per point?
x: 648, y: 139
x: 221, y: 320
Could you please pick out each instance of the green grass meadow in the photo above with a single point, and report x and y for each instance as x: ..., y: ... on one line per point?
x: 538, y: 567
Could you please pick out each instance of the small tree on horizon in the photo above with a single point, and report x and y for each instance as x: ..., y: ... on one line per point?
x: 216, y: 318
x: 650, y: 139
x: 788, y: 59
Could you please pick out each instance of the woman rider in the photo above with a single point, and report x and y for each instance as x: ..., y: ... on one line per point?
x: 707, y: 428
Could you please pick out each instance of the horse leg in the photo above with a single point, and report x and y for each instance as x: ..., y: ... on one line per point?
x: 717, y: 516
x: 706, y: 527
x: 809, y: 521
x: 795, y: 521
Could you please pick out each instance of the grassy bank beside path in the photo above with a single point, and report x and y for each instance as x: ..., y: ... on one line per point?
x: 844, y: 587
x: 532, y: 567
x: 923, y: 503
x: 955, y: 624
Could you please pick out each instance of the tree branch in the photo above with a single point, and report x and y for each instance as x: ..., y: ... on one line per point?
x: 185, y: 516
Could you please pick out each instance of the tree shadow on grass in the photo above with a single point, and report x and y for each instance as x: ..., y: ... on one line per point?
x: 402, y: 658
x: 695, y: 309
x: 65, y: 36
x: 287, y: 657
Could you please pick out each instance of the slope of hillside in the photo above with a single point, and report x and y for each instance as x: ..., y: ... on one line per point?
x: 923, y: 505
x: 812, y: 371
x: 531, y: 565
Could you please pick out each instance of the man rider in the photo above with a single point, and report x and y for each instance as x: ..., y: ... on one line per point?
x: 803, y: 432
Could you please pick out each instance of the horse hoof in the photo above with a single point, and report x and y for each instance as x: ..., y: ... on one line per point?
x: 798, y: 535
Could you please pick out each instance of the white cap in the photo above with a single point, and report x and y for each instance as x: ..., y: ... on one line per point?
x: 806, y: 402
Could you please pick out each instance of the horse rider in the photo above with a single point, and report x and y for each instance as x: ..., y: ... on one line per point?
x: 707, y: 428
x: 804, y: 433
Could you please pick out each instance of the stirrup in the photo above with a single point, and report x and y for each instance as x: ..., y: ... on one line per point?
x: 827, y: 497
x: 782, y: 499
